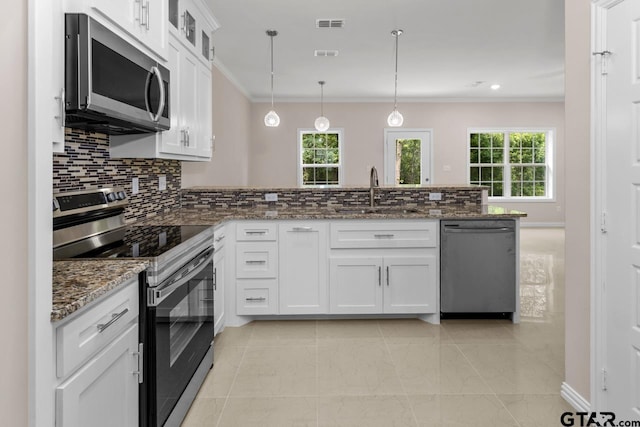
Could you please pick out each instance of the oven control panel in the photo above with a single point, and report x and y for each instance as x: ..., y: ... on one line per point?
x: 76, y: 202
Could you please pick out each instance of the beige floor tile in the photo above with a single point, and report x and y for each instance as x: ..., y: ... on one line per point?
x: 234, y: 336
x: 435, y: 369
x: 511, y: 369
x: 536, y: 410
x: 270, y: 412
x: 348, y: 329
x: 370, y: 411
x: 277, y: 371
x: 204, y: 413
x: 460, y: 411
x: 220, y: 379
x: 283, y: 332
x: 479, y: 331
x: 357, y: 367
x: 402, y: 331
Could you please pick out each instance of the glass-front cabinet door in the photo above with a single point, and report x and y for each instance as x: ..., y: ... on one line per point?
x: 206, y: 52
x: 174, y: 12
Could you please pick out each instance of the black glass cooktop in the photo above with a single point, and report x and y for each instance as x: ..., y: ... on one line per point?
x: 146, y: 241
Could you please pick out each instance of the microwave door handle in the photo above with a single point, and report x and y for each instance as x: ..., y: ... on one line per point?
x: 154, y: 71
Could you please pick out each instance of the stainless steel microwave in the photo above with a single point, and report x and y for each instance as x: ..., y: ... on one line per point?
x: 110, y: 86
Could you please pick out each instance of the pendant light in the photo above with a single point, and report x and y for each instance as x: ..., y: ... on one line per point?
x: 322, y: 123
x: 395, y: 119
x: 271, y: 119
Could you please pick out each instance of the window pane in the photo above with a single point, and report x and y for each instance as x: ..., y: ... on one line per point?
x: 332, y: 140
x: 320, y: 141
x: 485, y: 140
x: 498, y: 140
x: 516, y: 189
x: 321, y: 176
x: 473, y: 140
x: 528, y: 173
x: 333, y: 156
x: 515, y: 140
x: 527, y: 189
x: 332, y: 176
x: 497, y: 189
x: 516, y: 173
x: 473, y: 156
x: 515, y: 155
x: 320, y: 156
x: 307, y: 176
x: 540, y: 173
x: 475, y: 174
x: 540, y: 189
x: 485, y: 155
x: 527, y: 155
x: 498, y: 156
x: 307, y: 140
x: 307, y: 156
x: 539, y: 156
x: 497, y: 174
x: 527, y: 140
x: 485, y: 174
x: 408, y: 161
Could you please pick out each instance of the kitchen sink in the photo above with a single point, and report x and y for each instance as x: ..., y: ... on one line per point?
x: 353, y: 210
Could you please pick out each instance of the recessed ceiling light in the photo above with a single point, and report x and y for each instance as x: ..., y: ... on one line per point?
x: 495, y: 86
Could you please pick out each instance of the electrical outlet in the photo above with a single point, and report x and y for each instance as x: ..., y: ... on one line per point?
x: 435, y: 196
x: 162, y: 182
x: 271, y: 197
x: 135, y: 189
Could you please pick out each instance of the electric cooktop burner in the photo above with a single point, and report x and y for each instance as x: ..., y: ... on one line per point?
x: 146, y: 241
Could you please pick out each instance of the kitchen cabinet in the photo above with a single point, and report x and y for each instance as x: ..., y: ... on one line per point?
x: 99, y: 362
x: 192, y: 22
x: 143, y: 20
x: 256, y: 268
x: 383, y: 267
x: 303, y: 287
x: 219, y: 272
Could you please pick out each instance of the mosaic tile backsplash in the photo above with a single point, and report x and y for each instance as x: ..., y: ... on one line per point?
x: 86, y: 164
x: 326, y: 197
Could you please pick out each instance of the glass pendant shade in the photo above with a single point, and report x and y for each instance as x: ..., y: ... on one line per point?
x: 322, y: 124
x: 395, y: 119
x: 271, y: 119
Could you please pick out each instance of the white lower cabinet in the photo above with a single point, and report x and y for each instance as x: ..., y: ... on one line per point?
x: 104, y: 392
x: 219, y: 272
x: 99, y: 362
x: 303, y: 287
x: 369, y: 285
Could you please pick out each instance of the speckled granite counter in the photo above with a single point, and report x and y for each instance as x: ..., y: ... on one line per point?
x: 77, y: 283
x: 205, y: 216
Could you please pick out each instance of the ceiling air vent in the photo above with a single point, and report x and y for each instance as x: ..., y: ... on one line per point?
x: 329, y: 23
x: 325, y: 53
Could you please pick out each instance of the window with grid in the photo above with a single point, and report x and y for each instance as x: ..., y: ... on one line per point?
x: 513, y: 164
x: 320, y: 158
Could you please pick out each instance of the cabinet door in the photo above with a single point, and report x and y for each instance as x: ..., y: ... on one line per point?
x: 172, y: 138
x: 355, y: 285
x: 189, y: 94
x: 218, y: 289
x: 124, y: 13
x: 410, y: 284
x: 104, y: 392
x: 303, y: 268
x: 205, y: 118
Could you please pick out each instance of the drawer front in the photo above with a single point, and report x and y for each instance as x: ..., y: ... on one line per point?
x: 256, y: 232
x: 257, y: 296
x: 256, y: 260
x: 92, y: 330
x: 387, y: 234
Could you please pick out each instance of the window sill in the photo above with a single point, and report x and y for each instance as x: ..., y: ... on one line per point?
x: 522, y: 199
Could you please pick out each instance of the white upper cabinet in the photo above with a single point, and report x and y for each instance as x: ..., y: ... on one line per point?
x: 193, y: 24
x: 143, y: 20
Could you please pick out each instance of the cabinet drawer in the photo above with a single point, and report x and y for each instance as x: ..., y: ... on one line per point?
x: 257, y: 296
x: 256, y: 260
x: 256, y: 231
x: 88, y: 333
x: 387, y: 234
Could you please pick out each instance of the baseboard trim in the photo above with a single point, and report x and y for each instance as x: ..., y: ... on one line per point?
x: 524, y: 224
x: 574, y: 399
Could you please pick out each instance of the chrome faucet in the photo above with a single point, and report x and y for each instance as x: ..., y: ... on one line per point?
x: 373, y: 183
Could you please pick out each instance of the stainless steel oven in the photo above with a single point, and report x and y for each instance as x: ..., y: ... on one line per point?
x: 179, y: 338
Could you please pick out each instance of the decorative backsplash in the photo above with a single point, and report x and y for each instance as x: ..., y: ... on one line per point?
x: 86, y: 164
x: 323, y: 197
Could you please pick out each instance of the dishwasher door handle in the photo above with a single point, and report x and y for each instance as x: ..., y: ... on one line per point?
x: 478, y: 230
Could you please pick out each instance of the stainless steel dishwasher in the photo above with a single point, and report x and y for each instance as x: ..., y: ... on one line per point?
x: 477, y: 266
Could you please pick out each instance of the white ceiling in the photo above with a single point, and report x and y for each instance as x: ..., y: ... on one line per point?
x: 447, y: 46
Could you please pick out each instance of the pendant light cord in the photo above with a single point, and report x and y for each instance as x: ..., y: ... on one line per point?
x: 395, y: 91
x: 322, y: 99
x: 271, y: 36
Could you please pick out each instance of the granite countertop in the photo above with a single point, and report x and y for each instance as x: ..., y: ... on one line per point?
x: 77, y: 283
x: 204, y: 216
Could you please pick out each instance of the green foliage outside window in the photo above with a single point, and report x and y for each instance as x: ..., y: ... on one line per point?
x: 320, y: 158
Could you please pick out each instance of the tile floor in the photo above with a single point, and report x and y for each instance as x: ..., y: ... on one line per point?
x: 400, y: 372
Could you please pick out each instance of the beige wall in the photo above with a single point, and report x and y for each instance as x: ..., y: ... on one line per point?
x: 230, y: 162
x: 13, y: 222
x: 273, y: 160
x: 577, y: 231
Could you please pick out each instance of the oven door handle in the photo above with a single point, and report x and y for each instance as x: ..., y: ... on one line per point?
x: 184, y: 275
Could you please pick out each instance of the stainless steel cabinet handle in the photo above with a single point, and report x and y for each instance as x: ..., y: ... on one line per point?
x: 383, y: 236
x: 379, y: 276
x: 63, y: 107
x: 140, y: 363
x: 219, y: 238
x: 146, y: 10
x: 206, y: 299
x: 387, y: 275
x: 256, y: 299
x: 302, y: 229
x: 255, y: 261
x: 251, y: 233
x: 114, y: 318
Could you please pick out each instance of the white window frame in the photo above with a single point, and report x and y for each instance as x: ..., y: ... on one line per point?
x: 550, y: 147
x: 340, y: 132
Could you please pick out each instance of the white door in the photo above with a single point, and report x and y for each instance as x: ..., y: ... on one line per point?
x: 409, y: 284
x: 621, y: 202
x: 355, y: 285
x: 303, y: 287
x: 407, y: 157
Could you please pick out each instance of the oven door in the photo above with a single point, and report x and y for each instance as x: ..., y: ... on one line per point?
x: 180, y: 322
